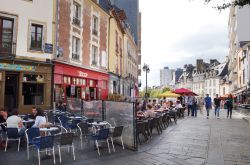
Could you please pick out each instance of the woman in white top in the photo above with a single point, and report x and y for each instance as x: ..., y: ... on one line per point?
x: 40, y: 118
x: 178, y: 104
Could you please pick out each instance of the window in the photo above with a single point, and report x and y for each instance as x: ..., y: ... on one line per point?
x: 95, y: 26
x: 36, y: 37
x: 243, y: 76
x: 33, y: 94
x: 214, y: 82
x: 116, y: 42
x: 94, y: 56
x: 75, y: 48
x: 66, y: 80
x: 77, y: 14
x: 6, y: 35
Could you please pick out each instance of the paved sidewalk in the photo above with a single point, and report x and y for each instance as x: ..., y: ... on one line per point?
x: 192, y: 141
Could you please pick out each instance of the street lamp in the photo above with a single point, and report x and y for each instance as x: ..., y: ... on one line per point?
x: 147, y: 70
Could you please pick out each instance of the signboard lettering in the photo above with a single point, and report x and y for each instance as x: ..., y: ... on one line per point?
x: 82, y: 74
x: 17, y: 67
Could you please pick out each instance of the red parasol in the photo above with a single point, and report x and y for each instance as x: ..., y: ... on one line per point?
x: 226, y: 96
x: 184, y: 91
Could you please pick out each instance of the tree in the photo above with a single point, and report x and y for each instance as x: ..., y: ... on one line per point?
x: 165, y: 89
x: 225, y: 5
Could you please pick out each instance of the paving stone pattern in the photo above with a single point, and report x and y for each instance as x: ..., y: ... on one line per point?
x: 193, y: 141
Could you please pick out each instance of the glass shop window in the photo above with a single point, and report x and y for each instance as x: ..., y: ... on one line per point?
x: 33, y: 94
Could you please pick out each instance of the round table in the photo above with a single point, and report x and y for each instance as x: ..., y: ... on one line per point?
x: 99, y: 124
x: 48, y: 129
x: 75, y: 117
x: 25, y: 122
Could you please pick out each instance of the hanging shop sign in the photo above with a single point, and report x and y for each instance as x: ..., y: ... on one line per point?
x: 17, y: 67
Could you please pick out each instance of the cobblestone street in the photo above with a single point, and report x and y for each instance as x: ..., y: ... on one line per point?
x: 192, y: 141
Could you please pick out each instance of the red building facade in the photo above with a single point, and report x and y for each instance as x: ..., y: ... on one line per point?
x: 81, y: 67
x: 78, y: 82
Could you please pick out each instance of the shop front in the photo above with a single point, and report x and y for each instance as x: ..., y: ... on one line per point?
x: 24, y: 85
x: 75, y: 82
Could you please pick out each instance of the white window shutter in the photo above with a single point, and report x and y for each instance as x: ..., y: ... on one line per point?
x: 104, y: 59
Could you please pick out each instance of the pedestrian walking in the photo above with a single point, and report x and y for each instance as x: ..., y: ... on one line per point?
x: 217, y: 102
x: 190, y: 103
x: 208, y: 104
x: 194, y: 107
x: 229, y: 104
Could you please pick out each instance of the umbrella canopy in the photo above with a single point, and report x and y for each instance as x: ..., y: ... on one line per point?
x: 184, y: 91
x: 226, y: 96
x: 169, y: 94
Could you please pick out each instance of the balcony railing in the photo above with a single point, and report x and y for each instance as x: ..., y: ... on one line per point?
x: 76, y: 21
x: 75, y: 56
x: 95, y: 32
x: 94, y: 63
x: 7, y: 49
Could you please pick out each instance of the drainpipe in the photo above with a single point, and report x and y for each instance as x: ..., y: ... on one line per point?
x: 108, y: 48
x: 53, y: 98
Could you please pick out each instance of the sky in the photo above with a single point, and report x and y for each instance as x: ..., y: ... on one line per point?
x: 177, y: 32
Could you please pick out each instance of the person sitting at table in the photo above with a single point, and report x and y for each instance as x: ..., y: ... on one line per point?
x: 33, y: 113
x: 3, y: 118
x: 149, y: 112
x: 40, y: 120
x: 171, y: 104
x: 14, y: 121
x: 61, y: 106
x: 178, y: 104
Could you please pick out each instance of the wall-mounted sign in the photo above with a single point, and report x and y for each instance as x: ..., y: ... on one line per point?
x: 17, y: 67
x: 59, y: 52
x: 82, y: 74
x: 48, y: 48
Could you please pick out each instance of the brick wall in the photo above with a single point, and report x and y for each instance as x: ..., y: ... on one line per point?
x: 86, y: 33
x: 103, y: 34
x: 64, y: 27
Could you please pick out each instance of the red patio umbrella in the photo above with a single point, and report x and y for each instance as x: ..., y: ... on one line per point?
x: 184, y: 91
x: 226, y: 96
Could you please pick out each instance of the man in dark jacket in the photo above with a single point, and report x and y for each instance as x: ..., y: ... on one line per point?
x: 217, y: 101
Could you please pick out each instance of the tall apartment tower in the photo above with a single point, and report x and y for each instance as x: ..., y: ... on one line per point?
x: 166, y: 76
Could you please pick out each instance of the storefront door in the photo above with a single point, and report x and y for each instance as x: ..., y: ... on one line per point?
x: 92, y: 92
x: 11, y: 90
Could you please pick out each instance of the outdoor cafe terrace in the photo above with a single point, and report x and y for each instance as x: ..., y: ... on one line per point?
x: 88, y: 133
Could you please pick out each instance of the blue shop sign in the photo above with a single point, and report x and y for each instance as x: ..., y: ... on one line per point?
x: 17, y: 67
x: 48, y: 48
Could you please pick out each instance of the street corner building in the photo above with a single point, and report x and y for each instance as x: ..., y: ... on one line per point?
x: 81, y: 65
x: 26, y: 51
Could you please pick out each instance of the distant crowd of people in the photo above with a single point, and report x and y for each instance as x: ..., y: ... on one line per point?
x: 192, y: 105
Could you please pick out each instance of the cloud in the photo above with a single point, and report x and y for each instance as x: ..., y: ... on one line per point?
x: 178, y: 32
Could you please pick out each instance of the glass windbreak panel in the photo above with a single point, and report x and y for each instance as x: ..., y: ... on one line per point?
x: 74, y: 105
x: 93, y: 109
x: 33, y: 94
x: 122, y: 114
